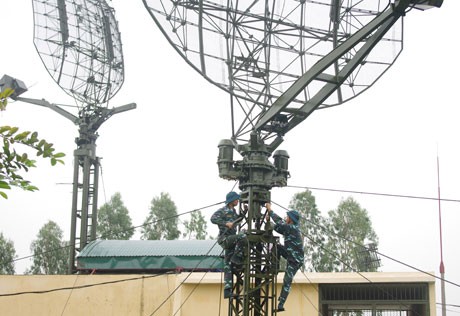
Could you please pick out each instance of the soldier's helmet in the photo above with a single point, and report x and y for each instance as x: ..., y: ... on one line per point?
x: 294, y: 216
x: 231, y: 196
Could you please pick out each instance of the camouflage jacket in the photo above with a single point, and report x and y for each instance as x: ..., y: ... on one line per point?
x: 293, y: 241
x: 223, y: 216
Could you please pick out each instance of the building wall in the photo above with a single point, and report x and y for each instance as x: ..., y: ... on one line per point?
x: 185, y: 294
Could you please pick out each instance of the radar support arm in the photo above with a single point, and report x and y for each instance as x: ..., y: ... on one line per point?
x: 332, y: 85
x: 107, y: 113
x: 98, y: 120
x: 52, y: 106
x: 123, y: 108
x: 371, y: 34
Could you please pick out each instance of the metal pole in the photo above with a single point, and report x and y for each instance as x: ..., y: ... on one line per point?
x: 84, y: 207
x: 95, y: 193
x: 441, y: 266
x: 73, y: 217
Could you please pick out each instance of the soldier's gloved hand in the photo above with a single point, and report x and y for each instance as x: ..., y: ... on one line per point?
x: 268, y: 206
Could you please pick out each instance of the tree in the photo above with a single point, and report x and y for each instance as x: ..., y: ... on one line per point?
x: 51, y: 254
x: 113, y: 220
x: 7, y: 255
x: 312, y: 229
x: 350, y: 228
x: 12, y: 162
x: 161, y: 222
x: 196, y: 227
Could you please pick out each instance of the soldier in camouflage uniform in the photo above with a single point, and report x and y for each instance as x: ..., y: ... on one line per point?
x: 292, y: 249
x: 227, y: 220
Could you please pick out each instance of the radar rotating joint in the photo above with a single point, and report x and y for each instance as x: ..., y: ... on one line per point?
x: 254, y: 170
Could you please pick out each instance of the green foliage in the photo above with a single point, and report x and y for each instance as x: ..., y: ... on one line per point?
x: 350, y: 228
x: 312, y: 228
x: 7, y: 255
x: 4, y: 98
x: 161, y: 223
x: 196, y: 228
x: 335, y: 243
x: 113, y: 220
x: 51, y: 253
x: 13, y: 162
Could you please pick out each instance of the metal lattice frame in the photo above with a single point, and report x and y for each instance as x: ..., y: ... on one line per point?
x: 255, y: 50
x: 254, y: 285
x: 80, y: 46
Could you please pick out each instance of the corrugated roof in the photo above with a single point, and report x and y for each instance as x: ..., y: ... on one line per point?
x: 117, y: 256
x: 155, y: 248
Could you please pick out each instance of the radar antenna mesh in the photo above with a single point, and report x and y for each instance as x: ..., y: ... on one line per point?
x: 255, y: 50
x: 79, y: 44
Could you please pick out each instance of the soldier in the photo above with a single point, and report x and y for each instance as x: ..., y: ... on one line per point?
x: 292, y: 249
x: 227, y: 220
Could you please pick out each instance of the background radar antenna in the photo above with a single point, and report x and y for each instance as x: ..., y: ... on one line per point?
x: 80, y: 46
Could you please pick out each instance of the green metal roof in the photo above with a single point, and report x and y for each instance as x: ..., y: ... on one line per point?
x: 124, y: 255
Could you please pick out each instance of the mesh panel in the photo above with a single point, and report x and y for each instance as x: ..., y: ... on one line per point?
x: 374, y: 291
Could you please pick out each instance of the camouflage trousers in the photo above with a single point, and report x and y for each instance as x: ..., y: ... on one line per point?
x: 231, y: 245
x: 291, y: 269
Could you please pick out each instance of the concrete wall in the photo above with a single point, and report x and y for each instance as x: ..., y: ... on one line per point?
x: 196, y: 294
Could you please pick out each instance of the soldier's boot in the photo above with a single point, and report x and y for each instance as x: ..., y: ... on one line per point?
x: 281, y: 301
x: 228, y: 293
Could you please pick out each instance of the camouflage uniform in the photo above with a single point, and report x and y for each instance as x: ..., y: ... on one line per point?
x: 228, y: 239
x: 292, y: 251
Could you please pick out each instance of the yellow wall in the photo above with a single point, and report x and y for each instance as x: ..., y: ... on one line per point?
x: 196, y: 294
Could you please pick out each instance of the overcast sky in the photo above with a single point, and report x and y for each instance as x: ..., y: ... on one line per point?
x: 384, y: 141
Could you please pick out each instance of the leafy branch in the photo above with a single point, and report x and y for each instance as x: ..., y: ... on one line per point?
x: 12, y: 162
x: 4, y: 98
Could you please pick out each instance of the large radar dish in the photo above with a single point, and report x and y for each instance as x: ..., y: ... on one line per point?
x: 80, y: 46
x: 255, y: 50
